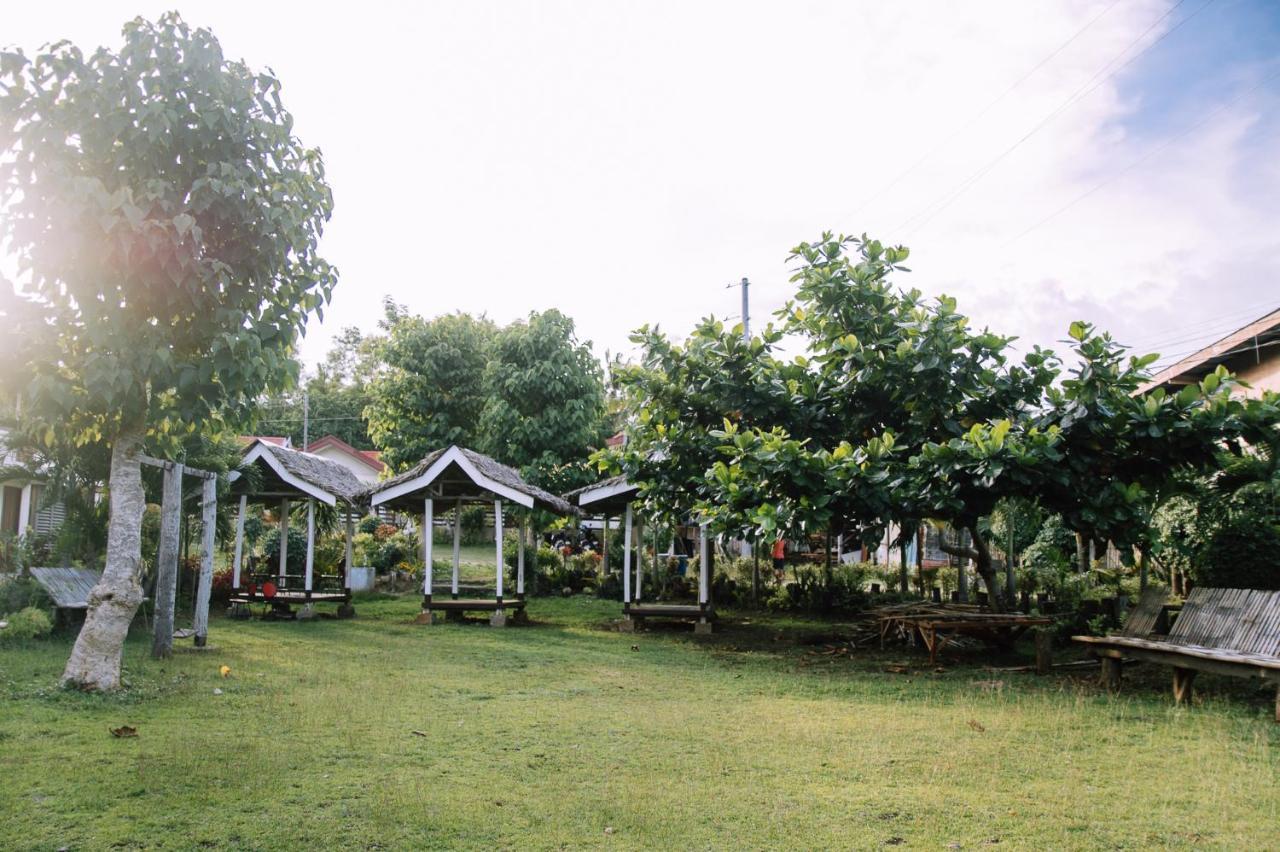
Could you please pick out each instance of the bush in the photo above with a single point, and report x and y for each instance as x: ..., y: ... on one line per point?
x: 296, y: 558
x: 27, y: 623
x: 369, y: 524
x: 610, y: 587
x: 810, y: 592
x: 19, y: 593
x: 1241, y: 554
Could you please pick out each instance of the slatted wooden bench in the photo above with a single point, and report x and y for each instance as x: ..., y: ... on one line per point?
x: 1232, y: 632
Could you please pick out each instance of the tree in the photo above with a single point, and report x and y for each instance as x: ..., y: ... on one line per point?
x: 543, y: 401
x: 336, y: 395
x: 164, y: 221
x: 430, y: 392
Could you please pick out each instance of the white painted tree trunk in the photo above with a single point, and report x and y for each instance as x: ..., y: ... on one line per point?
x: 95, y: 660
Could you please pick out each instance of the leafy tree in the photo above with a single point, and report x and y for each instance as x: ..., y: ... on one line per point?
x: 430, y: 392
x: 336, y: 395
x: 164, y: 222
x: 544, y: 401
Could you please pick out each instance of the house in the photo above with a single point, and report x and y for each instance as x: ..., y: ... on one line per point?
x: 277, y: 440
x: 22, y: 501
x: 1252, y: 352
x: 366, y: 465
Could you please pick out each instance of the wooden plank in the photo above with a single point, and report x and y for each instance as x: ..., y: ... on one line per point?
x: 68, y: 587
x: 1142, y: 619
x: 204, y: 589
x: 167, y: 561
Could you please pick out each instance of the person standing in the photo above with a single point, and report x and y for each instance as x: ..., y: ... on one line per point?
x: 779, y: 560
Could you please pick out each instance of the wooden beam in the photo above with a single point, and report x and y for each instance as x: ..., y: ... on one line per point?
x: 284, y: 537
x: 208, y: 529
x: 626, y: 556
x: 311, y: 545
x: 167, y: 561
x: 497, y: 536
x: 704, y: 558
x: 428, y: 544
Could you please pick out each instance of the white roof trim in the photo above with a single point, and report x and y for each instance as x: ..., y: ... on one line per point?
x: 453, y: 455
x: 260, y: 451
x: 594, y: 495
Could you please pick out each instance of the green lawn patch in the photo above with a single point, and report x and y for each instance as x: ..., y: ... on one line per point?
x: 378, y: 733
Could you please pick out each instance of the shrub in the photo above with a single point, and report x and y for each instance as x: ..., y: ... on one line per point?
x: 28, y: 623
x: 811, y: 593
x: 1241, y: 554
x: 220, y: 591
x: 19, y: 593
x: 610, y: 587
x: 369, y: 524
x: 296, y: 558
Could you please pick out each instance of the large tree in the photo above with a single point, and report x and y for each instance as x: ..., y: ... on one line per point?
x: 430, y: 391
x: 164, y: 221
x: 543, y: 400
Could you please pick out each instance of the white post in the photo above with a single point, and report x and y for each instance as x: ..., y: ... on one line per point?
x: 209, y: 520
x: 237, y: 559
x: 839, y: 547
x: 311, y: 544
x: 284, y: 537
x: 24, y: 511
x: 428, y: 507
x: 457, y: 544
x: 704, y: 556
x: 626, y: 556
x: 639, y: 537
x: 497, y: 535
x: 348, y: 557
x: 520, y: 560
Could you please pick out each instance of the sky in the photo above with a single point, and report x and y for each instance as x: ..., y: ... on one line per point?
x: 627, y: 163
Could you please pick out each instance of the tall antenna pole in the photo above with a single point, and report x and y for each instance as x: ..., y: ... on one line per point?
x: 746, y: 312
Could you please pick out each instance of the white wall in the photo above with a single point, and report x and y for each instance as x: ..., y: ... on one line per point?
x: 362, y: 472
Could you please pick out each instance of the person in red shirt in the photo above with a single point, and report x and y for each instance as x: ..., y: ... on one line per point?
x: 779, y: 559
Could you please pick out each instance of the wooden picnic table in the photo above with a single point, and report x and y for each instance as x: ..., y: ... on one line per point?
x: 936, y: 628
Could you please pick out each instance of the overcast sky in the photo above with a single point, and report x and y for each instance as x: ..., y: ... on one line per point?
x: 625, y: 162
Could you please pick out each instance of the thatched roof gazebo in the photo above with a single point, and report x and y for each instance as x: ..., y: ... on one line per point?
x: 616, y: 496
x: 458, y: 476
x: 285, y: 475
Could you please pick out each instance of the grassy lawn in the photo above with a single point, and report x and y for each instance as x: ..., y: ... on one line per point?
x: 377, y: 733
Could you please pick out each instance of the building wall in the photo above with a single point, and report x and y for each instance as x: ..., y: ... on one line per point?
x: 1264, y: 375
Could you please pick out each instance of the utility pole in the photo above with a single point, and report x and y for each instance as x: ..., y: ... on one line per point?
x: 746, y: 310
x: 306, y: 418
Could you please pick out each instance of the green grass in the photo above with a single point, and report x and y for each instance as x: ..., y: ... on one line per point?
x: 568, y: 735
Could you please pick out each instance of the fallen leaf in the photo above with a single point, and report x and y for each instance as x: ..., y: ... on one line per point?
x: 897, y: 669
x: 976, y: 725
x: 225, y: 671
x: 608, y: 829
x: 124, y: 731
x: 419, y: 733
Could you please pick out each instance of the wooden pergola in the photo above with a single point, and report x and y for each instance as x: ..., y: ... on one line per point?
x: 282, y: 476
x: 456, y: 477
x: 616, y: 497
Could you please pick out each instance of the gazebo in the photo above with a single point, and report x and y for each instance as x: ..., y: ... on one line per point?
x: 454, y: 477
x: 615, y: 497
x: 282, y: 476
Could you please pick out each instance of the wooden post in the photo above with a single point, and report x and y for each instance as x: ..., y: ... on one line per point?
x: 311, y: 546
x: 755, y: 573
x: 284, y: 537
x: 428, y: 507
x: 626, y: 556
x: 457, y: 546
x: 1111, y: 673
x: 704, y: 570
x: 604, y: 547
x: 1044, y: 650
x: 167, y: 562
x: 209, y: 522
x: 520, y: 559
x: 497, y: 535
x: 238, y: 558
x: 1182, y: 679
x: 348, y: 557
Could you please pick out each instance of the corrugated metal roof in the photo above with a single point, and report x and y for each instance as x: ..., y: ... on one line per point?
x: 69, y: 587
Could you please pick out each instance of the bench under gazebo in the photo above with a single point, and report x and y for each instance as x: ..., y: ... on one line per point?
x: 615, y: 497
x: 277, y: 476
x: 452, y: 478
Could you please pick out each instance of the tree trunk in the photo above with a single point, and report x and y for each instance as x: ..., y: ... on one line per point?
x: 1082, y: 554
x: 95, y: 660
x: 982, y: 563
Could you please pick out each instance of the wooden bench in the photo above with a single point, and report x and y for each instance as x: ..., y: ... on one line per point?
x: 1232, y: 632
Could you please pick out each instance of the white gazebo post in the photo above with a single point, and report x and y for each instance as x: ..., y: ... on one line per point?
x: 428, y: 510
x: 284, y: 537
x: 311, y: 546
x: 457, y: 545
x: 209, y: 521
x: 239, y: 551
x: 499, y: 618
x: 25, y: 510
x: 347, y: 556
x: 704, y: 581
x: 626, y: 557
x: 520, y: 559
x: 639, y: 539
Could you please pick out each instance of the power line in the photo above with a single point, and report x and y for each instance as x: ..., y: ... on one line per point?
x: 1202, y: 338
x: 951, y: 137
x: 1162, y: 336
x: 929, y: 212
x: 1142, y: 158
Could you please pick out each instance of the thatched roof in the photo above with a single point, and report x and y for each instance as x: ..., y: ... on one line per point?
x: 457, y: 471
x: 304, y: 469
x: 607, y: 495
